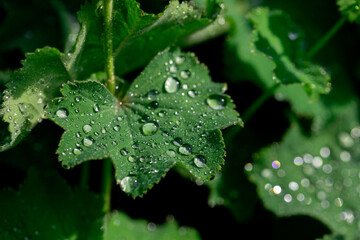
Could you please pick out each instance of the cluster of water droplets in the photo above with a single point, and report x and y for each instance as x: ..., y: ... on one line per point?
x: 329, y: 179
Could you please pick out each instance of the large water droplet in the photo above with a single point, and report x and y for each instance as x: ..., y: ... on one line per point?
x: 87, y: 128
x: 216, y: 102
x: 149, y: 129
x: 87, y: 141
x: 62, y: 113
x: 128, y: 184
x: 131, y: 158
x: 185, y: 150
x: 192, y: 94
x: 171, y: 153
x: 172, y: 85
x: 200, y: 161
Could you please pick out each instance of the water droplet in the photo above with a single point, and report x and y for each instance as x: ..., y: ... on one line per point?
x: 178, y: 141
x: 346, y: 140
x: 77, y: 151
x: 173, y: 69
x: 117, y: 128
x: 317, y: 162
x: 171, y: 153
x: 78, y: 134
x: 151, y: 227
x: 287, y: 198
x: 124, y: 152
x: 200, y: 161
x: 185, y: 74
x: 293, y: 185
x: 339, y: 202
x: 325, y: 152
x: 96, y: 108
x: 185, y: 150
x: 276, y: 189
x: 154, y: 105
x: 216, y: 102
x: 77, y: 99
x: 179, y: 60
x: 276, y: 164
x: 119, y: 119
x: 172, y: 85
x: 192, y: 94
x: 162, y: 113
x: 149, y: 129
x: 345, y: 156
x: 248, y: 167
x: 87, y: 128
x: 87, y: 141
x: 152, y: 93
x: 62, y: 113
x: 128, y: 184
x: 298, y: 161
x: 293, y: 35
x: 131, y: 158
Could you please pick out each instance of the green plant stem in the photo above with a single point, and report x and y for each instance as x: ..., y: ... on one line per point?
x: 107, y: 185
x: 258, y: 103
x: 85, y: 173
x: 109, y: 61
x: 109, y: 69
x: 326, y: 37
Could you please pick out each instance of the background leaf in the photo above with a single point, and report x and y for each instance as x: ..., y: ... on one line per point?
x: 315, y: 175
x: 137, y: 36
x: 29, y: 90
x: 45, y: 207
x: 350, y: 8
x: 121, y: 226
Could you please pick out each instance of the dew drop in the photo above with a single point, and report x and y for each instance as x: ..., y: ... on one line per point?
x: 185, y: 74
x: 248, y: 167
x: 124, y: 152
x: 87, y: 128
x: 77, y: 151
x: 200, y: 161
x: 172, y: 85
x: 154, y: 105
x: 87, y: 141
x: 185, y: 150
x: 62, y: 113
x: 128, y: 184
x: 117, y: 128
x: 96, y: 108
x: 173, y: 69
x: 131, y: 158
x: 77, y: 99
x: 149, y: 129
x: 171, y: 153
x: 276, y: 189
x: 216, y: 102
x: 276, y: 164
x: 152, y: 93
x: 179, y: 60
x: 178, y: 141
x: 192, y: 94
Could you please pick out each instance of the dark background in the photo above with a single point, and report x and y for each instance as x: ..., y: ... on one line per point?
x: 176, y: 195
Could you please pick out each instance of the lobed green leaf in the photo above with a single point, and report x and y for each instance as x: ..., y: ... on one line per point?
x: 170, y: 115
x: 315, y: 175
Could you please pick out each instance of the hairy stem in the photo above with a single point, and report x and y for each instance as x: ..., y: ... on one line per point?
x: 109, y: 61
x: 107, y: 185
x: 326, y: 37
x: 258, y: 103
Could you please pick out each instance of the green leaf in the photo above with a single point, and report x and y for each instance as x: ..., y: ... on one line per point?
x: 29, y: 90
x: 137, y: 36
x: 282, y: 41
x: 242, y: 64
x: 350, y: 9
x: 315, y: 175
x: 120, y: 226
x: 45, y: 207
x: 170, y: 115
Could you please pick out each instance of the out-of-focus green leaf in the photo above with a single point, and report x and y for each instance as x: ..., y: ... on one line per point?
x: 119, y: 226
x: 137, y: 36
x: 350, y: 9
x: 29, y: 90
x: 282, y: 41
x: 45, y: 207
x: 317, y: 175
